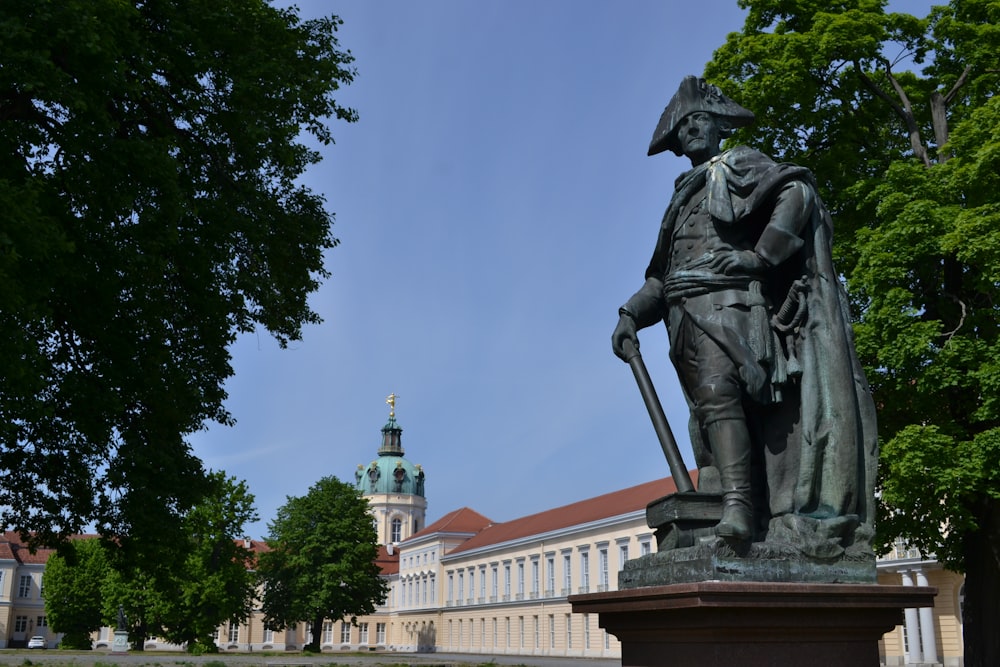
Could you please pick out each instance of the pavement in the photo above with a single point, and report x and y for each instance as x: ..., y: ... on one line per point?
x: 52, y: 658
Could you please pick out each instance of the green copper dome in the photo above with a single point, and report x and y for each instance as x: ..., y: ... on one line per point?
x: 390, y: 472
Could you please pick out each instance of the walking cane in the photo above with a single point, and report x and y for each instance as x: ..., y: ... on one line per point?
x: 667, y: 442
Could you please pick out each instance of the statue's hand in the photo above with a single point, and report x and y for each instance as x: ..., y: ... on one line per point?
x: 624, y: 331
x: 739, y: 262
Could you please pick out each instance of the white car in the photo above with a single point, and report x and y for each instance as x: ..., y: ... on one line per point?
x: 36, y: 642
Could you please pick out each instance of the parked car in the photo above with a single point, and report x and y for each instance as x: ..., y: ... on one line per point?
x: 36, y: 642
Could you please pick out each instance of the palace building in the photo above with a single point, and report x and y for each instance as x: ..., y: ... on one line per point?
x: 468, y: 584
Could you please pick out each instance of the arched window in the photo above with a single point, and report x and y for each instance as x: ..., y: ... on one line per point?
x: 396, y: 530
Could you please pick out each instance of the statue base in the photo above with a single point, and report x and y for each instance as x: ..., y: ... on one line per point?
x: 796, y: 549
x: 761, y: 562
x: 120, y: 642
x: 752, y: 624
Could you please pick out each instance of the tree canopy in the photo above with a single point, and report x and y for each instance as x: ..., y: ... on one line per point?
x: 182, y: 599
x: 74, y: 579
x: 216, y: 581
x: 896, y: 116
x: 321, y: 562
x: 152, y: 213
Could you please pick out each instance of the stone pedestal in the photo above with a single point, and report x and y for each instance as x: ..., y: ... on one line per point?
x: 120, y: 643
x: 751, y: 624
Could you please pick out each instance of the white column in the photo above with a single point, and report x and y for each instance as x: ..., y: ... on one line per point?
x: 928, y: 636
x: 912, y: 628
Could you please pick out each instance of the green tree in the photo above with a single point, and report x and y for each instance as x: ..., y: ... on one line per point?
x: 135, y: 592
x: 184, y: 600
x: 895, y: 114
x: 217, y: 582
x: 152, y: 212
x: 74, y: 580
x: 321, y: 562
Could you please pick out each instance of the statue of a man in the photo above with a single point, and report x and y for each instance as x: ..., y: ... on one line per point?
x: 782, y: 421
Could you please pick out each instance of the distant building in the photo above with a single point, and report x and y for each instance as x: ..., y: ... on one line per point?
x: 22, y: 600
x: 466, y: 584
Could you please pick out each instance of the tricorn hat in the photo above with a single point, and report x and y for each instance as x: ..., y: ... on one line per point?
x: 695, y: 95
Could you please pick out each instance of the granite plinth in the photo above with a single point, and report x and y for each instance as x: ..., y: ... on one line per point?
x: 752, y: 624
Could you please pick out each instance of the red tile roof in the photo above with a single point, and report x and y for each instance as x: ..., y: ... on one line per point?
x: 462, y: 520
x: 13, y: 547
x: 387, y: 562
x: 585, y: 511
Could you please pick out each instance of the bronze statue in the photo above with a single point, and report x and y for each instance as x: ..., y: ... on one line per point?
x: 782, y: 421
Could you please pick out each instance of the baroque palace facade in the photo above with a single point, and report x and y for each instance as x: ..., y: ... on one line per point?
x: 466, y: 584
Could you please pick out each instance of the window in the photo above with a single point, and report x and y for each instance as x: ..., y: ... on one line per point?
x: 472, y: 584
x: 21, y: 624
x: 41, y: 622
x: 550, y: 575
x: 534, y: 578
x: 622, y: 555
x: 569, y: 631
x: 234, y: 633
x: 327, y: 632
x: 552, y: 631
x: 345, y: 633
x: 538, y: 637
x: 461, y: 587
x: 602, y: 570
x: 24, y: 586
x: 506, y: 581
x: 482, y: 633
x: 586, y: 631
x: 494, y: 582
x: 507, y: 626
x: 494, y: 633
x: 268, y: 635
x: 482, y: 584
x: 567, y: 574
x: 451, y: 588
x: 645, y: 548
x: 520, y: 581
x: 520, y: 631
x: 584, y: 571
x: 363, y: 632
x: 396, y: 530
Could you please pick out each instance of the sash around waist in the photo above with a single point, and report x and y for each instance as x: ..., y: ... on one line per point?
x: 684, y: 284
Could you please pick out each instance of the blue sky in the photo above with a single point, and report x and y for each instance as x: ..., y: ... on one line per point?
x: 495, y: 207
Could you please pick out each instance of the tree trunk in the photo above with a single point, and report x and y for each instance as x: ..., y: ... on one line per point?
x: 138, y: 635
x: 939, y: 118
x: 980, y: 612
x: 317, y: 629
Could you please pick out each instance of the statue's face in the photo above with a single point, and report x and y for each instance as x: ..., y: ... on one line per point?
x: 698, y: 136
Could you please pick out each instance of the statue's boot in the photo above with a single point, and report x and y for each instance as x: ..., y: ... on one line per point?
x: 730, y: 442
